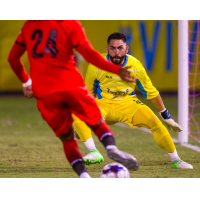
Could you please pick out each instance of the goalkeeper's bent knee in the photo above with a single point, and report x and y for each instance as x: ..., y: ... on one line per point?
x: 144, y: 117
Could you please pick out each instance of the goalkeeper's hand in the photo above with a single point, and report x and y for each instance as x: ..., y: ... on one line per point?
x: 169, y: 121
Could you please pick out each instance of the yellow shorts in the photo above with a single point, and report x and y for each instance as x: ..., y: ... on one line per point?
x: 120, y: 112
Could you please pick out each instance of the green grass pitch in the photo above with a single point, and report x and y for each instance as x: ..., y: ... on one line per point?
x: 29, y: 148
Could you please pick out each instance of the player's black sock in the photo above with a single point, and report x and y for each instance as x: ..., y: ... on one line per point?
x: 108, y: 140
x: 79, y: 167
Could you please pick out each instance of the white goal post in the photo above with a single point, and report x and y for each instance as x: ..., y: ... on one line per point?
x: 183, y: 84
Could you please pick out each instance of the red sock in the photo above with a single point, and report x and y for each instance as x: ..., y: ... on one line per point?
x: 72, y: 152
x: 74, y: 156
x: 103, y: 130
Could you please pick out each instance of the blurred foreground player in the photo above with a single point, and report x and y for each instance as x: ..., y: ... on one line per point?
x: 59, y: 88
x: 118, y: 102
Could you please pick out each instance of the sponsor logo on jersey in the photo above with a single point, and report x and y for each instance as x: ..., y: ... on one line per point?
x: 118, y: 93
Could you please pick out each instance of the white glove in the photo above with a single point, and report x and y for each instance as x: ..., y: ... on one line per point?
x: 169, y: 121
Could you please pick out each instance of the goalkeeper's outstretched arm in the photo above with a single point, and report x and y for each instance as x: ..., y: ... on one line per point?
x: 163, y: 112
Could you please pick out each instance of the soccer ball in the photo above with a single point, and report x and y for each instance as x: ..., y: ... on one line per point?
x: 114, y: 170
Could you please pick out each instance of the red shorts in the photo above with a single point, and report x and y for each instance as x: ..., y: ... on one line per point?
x: 56, y: 109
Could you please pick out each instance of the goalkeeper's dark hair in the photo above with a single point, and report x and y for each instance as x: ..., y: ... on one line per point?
x: 116, y: 36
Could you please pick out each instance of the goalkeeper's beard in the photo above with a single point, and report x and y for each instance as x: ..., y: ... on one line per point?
x: 117, y: 62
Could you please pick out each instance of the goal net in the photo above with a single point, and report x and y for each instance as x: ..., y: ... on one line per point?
x: 194, y: 79
x: 189, y: 79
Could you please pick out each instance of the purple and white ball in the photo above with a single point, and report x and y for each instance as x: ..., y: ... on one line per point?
x: 114, y: 170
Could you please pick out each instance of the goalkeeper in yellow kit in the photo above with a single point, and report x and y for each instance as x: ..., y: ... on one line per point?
x: 119, y: 103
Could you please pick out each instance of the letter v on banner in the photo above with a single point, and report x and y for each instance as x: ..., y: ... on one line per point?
x: 149, y: 50
x: 169, y: 49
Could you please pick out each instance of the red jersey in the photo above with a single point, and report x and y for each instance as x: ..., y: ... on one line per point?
x: 49, y: 45
x: 50, y: 51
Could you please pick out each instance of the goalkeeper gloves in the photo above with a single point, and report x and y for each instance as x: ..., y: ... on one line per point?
x: 169, y: 121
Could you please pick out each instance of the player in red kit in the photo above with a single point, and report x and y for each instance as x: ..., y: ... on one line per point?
x: 59, y: 88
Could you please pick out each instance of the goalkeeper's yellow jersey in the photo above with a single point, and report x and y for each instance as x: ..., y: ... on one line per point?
x: 106, y: 86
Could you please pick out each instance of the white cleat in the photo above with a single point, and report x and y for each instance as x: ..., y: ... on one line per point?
x: 180, y: 164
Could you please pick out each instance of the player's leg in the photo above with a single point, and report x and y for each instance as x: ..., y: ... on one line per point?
x: 88, y: 111
x: 144, y: 117
x: 73, y: 154
x: 106, y: 137
x: 58, y: 116
x: 134, y: 113
x: 84, y: 132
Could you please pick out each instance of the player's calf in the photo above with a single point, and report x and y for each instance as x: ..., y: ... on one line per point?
x: 104, y: 133
x: 73, y: 154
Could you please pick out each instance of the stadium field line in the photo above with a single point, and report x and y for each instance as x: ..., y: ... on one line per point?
x: 195, y: 148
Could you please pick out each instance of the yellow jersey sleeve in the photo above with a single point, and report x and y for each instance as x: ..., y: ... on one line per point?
x: 145, y: 85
